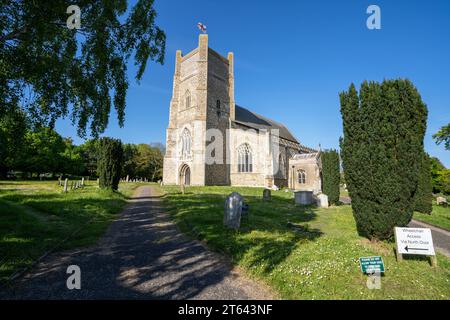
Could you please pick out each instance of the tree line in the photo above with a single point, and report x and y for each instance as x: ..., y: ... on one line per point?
x: 28, y: 151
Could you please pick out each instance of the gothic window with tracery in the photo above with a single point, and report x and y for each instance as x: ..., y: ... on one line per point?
x: 301, y: 176
x: 244, y: 158
x: 281, y: 165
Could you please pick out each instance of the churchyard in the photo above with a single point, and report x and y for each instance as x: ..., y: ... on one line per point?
x: 440, y: 216
x: 303, y: 252
x: 38, y: 216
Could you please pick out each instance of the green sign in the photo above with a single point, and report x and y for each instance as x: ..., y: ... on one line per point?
x: 371, y: 264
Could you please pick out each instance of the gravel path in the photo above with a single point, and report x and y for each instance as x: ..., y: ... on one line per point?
x: 441, y: 237
x: 141, y: 256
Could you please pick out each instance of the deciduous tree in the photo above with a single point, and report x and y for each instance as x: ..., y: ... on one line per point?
x: 53, y: 71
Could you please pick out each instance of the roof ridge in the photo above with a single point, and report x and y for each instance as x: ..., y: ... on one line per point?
x: 271, y: 121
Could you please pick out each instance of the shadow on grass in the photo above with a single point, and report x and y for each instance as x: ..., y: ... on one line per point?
x: 32, y: 224
x: 142, y: 256
x: 267, y: 236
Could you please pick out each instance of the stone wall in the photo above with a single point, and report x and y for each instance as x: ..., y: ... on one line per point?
x: 217, y: 120
x: 311, y: 166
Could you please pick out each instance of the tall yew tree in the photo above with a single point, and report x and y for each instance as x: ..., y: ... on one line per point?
x: 382, y: 151
x: 331, y: 175
x: 52, y: 71
x: 110, y: 162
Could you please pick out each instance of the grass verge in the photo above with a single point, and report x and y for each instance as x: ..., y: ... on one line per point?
x: 37, y: 216
x: 302, y: 253
x: 440, y: 217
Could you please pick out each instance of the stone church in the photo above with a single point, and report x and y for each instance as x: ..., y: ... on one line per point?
x: 210, y: 140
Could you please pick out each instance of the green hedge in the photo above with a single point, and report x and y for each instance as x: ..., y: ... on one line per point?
x: 110, y: 163
x: 330, y: 175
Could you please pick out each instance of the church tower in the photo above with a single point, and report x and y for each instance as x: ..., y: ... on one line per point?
x: 201, y: 109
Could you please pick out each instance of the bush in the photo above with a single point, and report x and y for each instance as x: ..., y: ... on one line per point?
x: 424, y: 194
x: 331, y: 175
x: 382, y: 152
x: 110, y: 161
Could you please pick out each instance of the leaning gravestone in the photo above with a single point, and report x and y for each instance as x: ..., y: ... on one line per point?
x: 441, y: 201
x: 65, y: 184
x: 233, y: 211
x: 322, y: 200
x: 266, y: 194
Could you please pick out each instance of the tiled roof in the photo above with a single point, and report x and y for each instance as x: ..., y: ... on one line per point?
x: 250, y: 119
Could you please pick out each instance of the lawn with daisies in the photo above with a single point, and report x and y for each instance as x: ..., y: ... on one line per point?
x: 302, y: 252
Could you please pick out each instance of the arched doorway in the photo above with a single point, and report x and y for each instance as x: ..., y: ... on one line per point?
x: 185, y: 175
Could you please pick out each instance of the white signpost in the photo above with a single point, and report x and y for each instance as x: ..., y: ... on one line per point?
x: 414, y: 241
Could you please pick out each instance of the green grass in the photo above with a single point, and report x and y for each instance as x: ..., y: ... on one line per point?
x: 439, y: 217
x: 37, y: 216
x: 317, y: 260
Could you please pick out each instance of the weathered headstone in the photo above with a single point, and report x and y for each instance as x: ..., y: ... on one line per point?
x: 266, y: 194
x: 128, y: 178
x: 303, y: 197
x: 233, y: 211
x: 65, y: 184
x: 60, y: 181
x: 441, y: 201
x: 82, y: 181
x: 71, y: 185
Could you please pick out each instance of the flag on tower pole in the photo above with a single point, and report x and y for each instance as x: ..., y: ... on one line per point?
x: 202, y: 27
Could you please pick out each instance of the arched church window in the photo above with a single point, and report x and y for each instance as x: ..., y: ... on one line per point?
x: 187, y: 97
x: 244, y: 154
x: 301, y: 176
x: 185, y: 143
x: 281, y: 164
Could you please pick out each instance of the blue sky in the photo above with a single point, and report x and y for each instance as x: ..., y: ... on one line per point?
x: 292, y: 58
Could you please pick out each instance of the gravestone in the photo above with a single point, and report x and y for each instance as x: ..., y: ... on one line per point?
x: 322, y: 200
x: 303, y: 197
x: 128, y: 178
x: 65, y: 184
x: 233, y: 211
x: 266, y: 194
x: 82, y: 182
x: 441, y: 201
x: 182, y: 188
x: 60, y: 181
